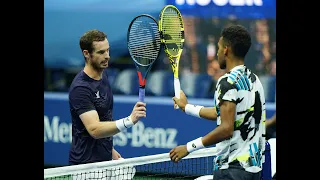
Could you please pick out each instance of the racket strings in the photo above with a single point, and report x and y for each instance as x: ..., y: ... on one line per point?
x: 144, y: 41
x: 172, y: 30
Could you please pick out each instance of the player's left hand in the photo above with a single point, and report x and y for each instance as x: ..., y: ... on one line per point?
x: 115, y: 155
x: 177, y: 153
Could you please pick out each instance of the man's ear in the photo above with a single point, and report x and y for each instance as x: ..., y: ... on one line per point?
x: 225, y: 50
x: 86, y: 53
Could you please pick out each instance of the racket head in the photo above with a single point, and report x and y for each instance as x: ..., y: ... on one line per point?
x: 143, y: 41
x: 171, y: 28
x: 144, y: 45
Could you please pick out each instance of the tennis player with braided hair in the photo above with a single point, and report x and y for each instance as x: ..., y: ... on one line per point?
x: 239, y: 110
x: 91, y: 104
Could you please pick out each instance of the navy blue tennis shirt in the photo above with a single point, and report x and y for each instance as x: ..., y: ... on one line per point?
x: 86, y: 94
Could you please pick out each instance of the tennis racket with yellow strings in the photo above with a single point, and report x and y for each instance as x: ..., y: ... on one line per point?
x: 171, y: 30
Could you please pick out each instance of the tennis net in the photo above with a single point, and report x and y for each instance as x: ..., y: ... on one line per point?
x: 196, y: 165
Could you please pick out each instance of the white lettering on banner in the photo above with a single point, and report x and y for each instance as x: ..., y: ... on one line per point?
x: 221, y: 2
x: 57, y: 132
x: 149, y: 137
x: 61, y: 132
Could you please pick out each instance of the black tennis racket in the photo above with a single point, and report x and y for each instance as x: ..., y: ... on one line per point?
x: 144, y: 47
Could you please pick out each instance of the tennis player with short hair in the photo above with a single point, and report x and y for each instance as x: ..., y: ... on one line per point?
x: 91, y: 104
x: 239, y: 110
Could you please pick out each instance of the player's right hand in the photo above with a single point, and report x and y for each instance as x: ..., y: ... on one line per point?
x: 182, y: 102
x: 139, y: 111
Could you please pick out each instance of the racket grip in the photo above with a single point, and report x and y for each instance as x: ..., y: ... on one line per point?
x: 177, y: 88
x: 141, y: 94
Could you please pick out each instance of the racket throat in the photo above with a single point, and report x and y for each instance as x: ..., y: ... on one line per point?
x: 175, y: 67
x: 175, y: 72
x: 142, y: 81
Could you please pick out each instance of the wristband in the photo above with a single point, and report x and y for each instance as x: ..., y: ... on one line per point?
x: 124, y: 123
x: 193, y: 110
x: 195, y: 145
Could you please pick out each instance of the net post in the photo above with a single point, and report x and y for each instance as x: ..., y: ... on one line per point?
x: 266, y: 166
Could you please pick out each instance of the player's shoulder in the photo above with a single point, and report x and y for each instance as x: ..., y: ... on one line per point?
x: 242, y: 72
x: 236, y: 72
x: 80, y: 83
x: 222, y: 78
x: 229, y: 77
x: 239, y: 73
x: 224, y: 83
x: 251, y: 75
x: 254, y: 78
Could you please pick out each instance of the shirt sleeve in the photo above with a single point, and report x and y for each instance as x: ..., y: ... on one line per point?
x: 227, y: 91
x: 80, y: 100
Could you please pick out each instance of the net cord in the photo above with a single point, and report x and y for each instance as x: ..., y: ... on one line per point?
x: 77, y: 169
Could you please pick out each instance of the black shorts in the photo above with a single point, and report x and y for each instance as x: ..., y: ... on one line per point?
x: 235, y: 173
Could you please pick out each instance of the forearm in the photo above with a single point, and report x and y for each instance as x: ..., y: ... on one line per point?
x: 217, y: 135
x: 209, y: 113
x: 271, y: 122
x: 110, y: 128
x: 103, y: 129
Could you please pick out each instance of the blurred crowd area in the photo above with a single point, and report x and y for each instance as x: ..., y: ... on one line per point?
x: 198, y: 69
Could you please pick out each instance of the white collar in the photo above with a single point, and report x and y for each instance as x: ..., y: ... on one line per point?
x: 238, y: 67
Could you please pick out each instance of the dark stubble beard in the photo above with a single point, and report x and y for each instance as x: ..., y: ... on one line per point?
x: 223, y: 65
x: 96, y: 66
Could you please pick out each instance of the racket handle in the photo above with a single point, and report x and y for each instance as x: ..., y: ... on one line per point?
x: 141, y: 94
x: 176, y: 83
